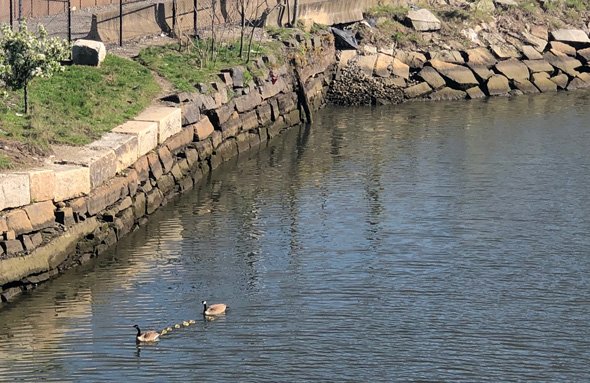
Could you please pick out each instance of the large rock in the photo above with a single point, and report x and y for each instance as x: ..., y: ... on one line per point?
x: 482, y: 73
x: 481, y: 56
x: 101, y: 162
x: 423, y: 20
x: 345, y: 57
x: 531, y: 53
x: 504, y: 51
x: 414, y: 60
x: 538, y: 43
x: 18, y: 221
x: 543, y: 83
x: 268, y: 89
x: 582, y: 81
x: 448, y: 94
x: 584, y: 54
x: 475, y: 93
x: 561, y: 80
x: 70, y: 181
x: 432, y: 77
x: 41, y: 214
x: 248, y: 102
x: 418, y: 90
x: 367, y: 63
x: 564, y: 48
x: 400, y: 69
x: 88, y: 52
x: 513, y: 69
x: 536, y: 66
x: 146, y: 133
x: 191, y: 112
x: 460, y: 76
x: 169, y: 120
x: 124, y: 146
x: 567, y: 64
x: 454, y: 57
x: 497, y: 85
x: 42, y: 184
x: 575, y: 36
x: 525, y: 86
x: 14, y: 190
x: 203, y: 129
x: 382, y: 65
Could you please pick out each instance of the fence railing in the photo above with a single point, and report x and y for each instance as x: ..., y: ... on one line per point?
x: 116, y: 21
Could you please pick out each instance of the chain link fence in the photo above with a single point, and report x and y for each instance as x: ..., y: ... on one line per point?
x: 114, y: 21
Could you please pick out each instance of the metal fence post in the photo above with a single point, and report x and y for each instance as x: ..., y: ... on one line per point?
x: 69, y: 21
x: 174, y: 18
x: 20, y: 13
x: 195, y: 17
x: 120, y: 23
x: 11, y: 13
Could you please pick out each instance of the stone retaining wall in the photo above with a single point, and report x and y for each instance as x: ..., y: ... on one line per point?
x: 68, y: 212
x: 546, y: 62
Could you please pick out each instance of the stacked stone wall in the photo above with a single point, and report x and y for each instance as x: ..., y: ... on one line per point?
x: 89, y: 198
x: 545, y: 62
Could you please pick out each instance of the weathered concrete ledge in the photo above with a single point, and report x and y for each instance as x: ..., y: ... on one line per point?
x: 60, y: 216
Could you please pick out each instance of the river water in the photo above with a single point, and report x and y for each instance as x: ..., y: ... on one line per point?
x: 424, y: 242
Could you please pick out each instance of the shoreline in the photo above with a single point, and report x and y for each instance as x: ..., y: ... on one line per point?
x: 67, y: 213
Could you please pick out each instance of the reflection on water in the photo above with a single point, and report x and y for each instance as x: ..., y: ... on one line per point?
x: 422, y: 242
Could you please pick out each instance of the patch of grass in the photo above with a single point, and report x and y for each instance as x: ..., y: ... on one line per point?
x: 530, y: 6
x: 578, y: 5
x: 282, y: 34
x: 80, y: 104
x: 5, y: 163
x: 188, y: 68
x: 388, y: 10
x: 316, y: 28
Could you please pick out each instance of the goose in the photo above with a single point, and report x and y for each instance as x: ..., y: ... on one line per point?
x: 148, y: 336
x: 216, y: 309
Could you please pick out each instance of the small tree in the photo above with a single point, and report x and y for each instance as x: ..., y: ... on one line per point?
x: 24, y: 56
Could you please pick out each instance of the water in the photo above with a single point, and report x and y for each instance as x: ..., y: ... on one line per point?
x: 423, y: 242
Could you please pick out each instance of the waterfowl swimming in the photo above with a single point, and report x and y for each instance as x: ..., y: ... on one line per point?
x: 148, y: 336
x: 216, y: 309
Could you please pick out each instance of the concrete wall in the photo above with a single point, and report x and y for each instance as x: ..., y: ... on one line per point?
x: 140, y: 20
x: 67, y: 213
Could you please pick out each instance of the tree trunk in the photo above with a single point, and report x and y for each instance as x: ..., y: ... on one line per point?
x: 243, y: 26
x: 212, y: 30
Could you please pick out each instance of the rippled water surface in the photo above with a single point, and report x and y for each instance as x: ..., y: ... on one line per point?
x: 423, y: 242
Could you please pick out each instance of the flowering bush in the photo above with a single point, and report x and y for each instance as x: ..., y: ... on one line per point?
x: 25, y: 55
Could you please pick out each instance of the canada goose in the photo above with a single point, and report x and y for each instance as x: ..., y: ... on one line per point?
x: 216, y: 309
x: 148, y: 336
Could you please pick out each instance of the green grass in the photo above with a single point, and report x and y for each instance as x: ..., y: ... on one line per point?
x: 387, y: 10
x: 5, y: 163
x: 185, y: 69
x: 78, y: 105
x: 578, y: 5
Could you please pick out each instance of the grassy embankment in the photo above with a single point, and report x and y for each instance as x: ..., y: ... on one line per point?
x: 184, y: 68
x: 78, y: 105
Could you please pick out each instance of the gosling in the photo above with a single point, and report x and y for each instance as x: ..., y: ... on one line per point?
x: 148, y: 336
x: 213, y: 310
